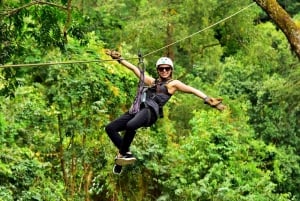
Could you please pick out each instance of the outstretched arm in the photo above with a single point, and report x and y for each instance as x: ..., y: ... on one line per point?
x: 178, y: 85
x: 116, y: 55
x: 148, y: 80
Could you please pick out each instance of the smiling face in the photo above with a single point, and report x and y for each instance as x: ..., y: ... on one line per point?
x: 164, y: 71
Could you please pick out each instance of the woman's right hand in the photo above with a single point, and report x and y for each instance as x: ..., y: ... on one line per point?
x: 114, y: 54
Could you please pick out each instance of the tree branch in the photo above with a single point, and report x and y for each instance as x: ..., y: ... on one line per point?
x: 67, y: 24
x: 52, y: 4
x: 37, y: 2
x: 283, y: 21
x: 208, y: 46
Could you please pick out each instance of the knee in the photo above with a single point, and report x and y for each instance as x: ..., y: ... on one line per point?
x: 130, y: 126
x: 109, y: 129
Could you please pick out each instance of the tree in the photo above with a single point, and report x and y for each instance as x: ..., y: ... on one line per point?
x: 283, y: 21
x: 51, y: 126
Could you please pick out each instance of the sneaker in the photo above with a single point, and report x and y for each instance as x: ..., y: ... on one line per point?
x: 117, y: 169
x: 127, y: 159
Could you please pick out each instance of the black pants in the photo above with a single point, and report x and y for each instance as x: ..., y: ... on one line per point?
x: 129, y: 123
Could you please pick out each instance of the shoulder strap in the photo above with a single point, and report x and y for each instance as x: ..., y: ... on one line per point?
x: 170, y: 80
x: 167, y: 82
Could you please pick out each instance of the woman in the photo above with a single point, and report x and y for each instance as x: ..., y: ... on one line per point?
x: 156, y: 93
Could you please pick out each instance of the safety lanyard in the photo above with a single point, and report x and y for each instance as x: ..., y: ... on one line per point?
x: 135, y: 107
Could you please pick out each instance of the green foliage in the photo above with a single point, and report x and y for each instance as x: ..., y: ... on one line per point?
x: 25, y: 177
x: 266, y: 77
x: 39, y: 25
x: 219, y: 161
x: 232, y: 37
x: 291, y: 6
x: 52, y: 140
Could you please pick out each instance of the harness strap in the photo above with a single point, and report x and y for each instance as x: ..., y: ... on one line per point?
x: 135, y: 107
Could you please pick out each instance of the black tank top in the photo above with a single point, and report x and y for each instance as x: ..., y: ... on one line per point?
x: 157, y: 96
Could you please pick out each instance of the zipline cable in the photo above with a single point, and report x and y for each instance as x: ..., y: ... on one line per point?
x: 150, y: 53
x: 201, y: 30
x: 56, y: 63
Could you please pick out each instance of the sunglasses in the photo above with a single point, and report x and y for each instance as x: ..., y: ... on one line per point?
x: 161, y: 69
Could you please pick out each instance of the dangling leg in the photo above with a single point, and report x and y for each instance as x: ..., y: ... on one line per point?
x: 140, y: 120
x: 114, y: 127
x: 143, y: 118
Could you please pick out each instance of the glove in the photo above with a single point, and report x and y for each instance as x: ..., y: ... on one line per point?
x: 114, y: 54
x: 215, y: 102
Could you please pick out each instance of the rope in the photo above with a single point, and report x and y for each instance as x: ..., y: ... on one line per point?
x: 226, y: 18
x: 57, y: 63
x: 150, y: 53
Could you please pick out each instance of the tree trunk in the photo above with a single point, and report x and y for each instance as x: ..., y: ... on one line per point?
x: 68, y: 21
x: 283, y: 21
x: 169, y: 40
x: 61, y: 152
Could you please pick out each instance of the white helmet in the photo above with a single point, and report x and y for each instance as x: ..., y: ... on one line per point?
x: 165, y: 60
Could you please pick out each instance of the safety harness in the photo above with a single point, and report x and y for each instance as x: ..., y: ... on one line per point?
x: 154, y: 96
x: 135, y: 107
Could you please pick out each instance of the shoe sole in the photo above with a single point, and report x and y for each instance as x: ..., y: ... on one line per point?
x: 116, y: 171
x: 125, y: 161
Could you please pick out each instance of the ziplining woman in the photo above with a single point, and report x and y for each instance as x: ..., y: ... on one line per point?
x: 156, y: 93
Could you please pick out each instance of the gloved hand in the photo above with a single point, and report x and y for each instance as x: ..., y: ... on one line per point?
x: 114, y: 54
x: 215, y: 102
